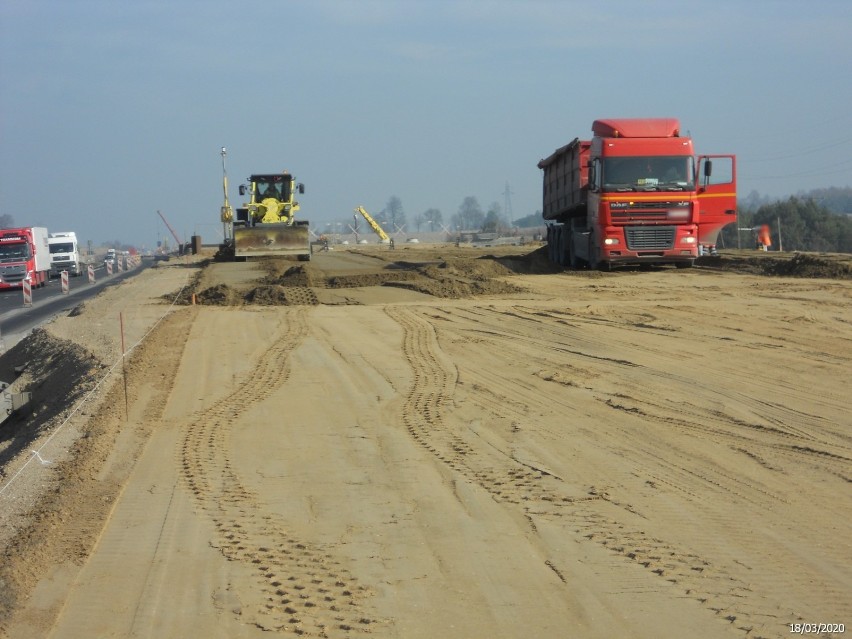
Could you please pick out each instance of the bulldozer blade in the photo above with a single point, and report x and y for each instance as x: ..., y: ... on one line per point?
x: 272, y: 239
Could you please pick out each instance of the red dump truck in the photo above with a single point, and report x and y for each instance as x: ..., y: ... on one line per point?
x: 24, y: 255
x: 635, y: 193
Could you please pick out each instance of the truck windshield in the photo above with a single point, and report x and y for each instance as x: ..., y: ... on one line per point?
x: 65, y: 247
x: 648, y: 173
x: 14, y: 252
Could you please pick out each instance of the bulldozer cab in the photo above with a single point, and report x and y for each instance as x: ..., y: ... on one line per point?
x: 277, y: 186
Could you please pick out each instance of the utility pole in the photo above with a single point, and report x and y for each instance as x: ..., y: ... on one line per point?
x: 227, y: 213
x: 780, y: 243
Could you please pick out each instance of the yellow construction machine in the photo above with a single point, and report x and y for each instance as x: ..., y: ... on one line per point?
x: 266, y: 224
x: 378, y: 230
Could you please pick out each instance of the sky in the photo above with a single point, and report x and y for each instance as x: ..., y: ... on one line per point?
x: 112, y: 111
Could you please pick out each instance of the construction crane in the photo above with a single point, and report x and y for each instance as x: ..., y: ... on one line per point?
x: 172, y: 231
x: 383, y: 237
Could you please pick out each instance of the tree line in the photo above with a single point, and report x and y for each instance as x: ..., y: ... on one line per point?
x: 819, y: 220
x: 470, y: 216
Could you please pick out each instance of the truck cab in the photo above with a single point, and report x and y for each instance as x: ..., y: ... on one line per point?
x: 64, y: 254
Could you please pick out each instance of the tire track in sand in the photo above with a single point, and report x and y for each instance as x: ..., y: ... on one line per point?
x: 301, y: 589
x: 540, y: 494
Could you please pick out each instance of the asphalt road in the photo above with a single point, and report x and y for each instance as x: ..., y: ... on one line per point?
x: 17, y: 320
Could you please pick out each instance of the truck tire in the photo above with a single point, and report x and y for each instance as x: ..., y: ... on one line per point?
x: 573, y: 261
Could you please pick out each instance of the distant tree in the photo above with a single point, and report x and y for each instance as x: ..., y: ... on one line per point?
x: 418, y: 221
x: 433, y: 217
x: 804, y: 225
x: 836, y: 200
x: 7, y: 221
x: 534, y: 219
x: 494, y: 221
x: 469, y: 216
x: 394, y: 214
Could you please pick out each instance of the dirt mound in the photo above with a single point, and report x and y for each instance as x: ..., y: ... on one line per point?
x: 370, y: 279
x: 799, y: 265
x: 57, y: 372
x: 291, y: 276
x: 807, y: 265
x: 276, y: 295
x: 533, y: 263
x: 460, y: 278
x: 219, y: 295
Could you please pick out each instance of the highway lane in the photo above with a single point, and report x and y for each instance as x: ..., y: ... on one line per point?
x: 17, y: 320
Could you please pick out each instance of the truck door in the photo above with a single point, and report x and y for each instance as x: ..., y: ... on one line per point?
x: 717, y: 195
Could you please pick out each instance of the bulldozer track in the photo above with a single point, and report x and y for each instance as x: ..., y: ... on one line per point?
x: 301, y: 588
x: 597, y: 517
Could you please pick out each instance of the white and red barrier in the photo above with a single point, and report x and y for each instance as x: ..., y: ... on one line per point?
x: 91, y: 272
x: 63, y: 276
x: 28, y: 292
x: 109, y: 268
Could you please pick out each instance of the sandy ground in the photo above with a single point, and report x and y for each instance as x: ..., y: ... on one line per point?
x: 434, y: 442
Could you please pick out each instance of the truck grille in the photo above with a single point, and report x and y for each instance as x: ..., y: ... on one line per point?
x: 645, y: 238
x: 645, y: 210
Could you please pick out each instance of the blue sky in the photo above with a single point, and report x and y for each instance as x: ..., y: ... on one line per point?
x: 111, y: 111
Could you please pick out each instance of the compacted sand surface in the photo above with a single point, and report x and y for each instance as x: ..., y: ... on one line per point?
x: 434, y: 442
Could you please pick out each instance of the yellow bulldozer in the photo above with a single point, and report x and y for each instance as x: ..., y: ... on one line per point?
x: 266, y: 225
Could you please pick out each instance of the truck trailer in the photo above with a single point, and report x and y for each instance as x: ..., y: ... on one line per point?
x: 635, y: 194
x: 64, y: 254
x: 24, y: 256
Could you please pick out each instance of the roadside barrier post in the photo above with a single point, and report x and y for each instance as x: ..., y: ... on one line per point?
x: 64, y: 278
x: 91, y: 271
x: 28, y: 293
x: 109, y: 268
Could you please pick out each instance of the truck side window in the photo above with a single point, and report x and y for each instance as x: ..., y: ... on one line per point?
x: 723, y: 171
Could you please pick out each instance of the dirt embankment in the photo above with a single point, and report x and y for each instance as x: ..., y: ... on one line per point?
x: 459, y: 276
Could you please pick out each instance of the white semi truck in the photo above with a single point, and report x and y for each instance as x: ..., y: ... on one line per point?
x: 64, y: 254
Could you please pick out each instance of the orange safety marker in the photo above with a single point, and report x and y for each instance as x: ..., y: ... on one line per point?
x: 764, y: 238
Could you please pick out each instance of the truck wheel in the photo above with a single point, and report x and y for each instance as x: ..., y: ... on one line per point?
x: 573, y: 261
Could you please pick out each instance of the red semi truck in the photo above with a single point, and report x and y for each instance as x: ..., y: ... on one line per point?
x: 24, y: 255
x: 635, y: 193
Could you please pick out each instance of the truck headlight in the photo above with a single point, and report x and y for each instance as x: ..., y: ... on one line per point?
x: 689, y: 239
x: 610, y: 241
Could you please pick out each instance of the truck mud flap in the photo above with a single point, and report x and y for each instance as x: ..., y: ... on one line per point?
x: 272, y: 240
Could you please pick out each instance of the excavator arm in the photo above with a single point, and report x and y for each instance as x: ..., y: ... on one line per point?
x: 378, y: 230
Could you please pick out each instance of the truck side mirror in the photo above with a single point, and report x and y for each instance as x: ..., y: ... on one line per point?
x: 301, y: 187
x: 708, y: 168
x: 242, y: 189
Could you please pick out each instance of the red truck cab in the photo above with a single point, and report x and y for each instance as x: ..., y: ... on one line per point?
x: 24, y: 256
x: 636, y: 193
